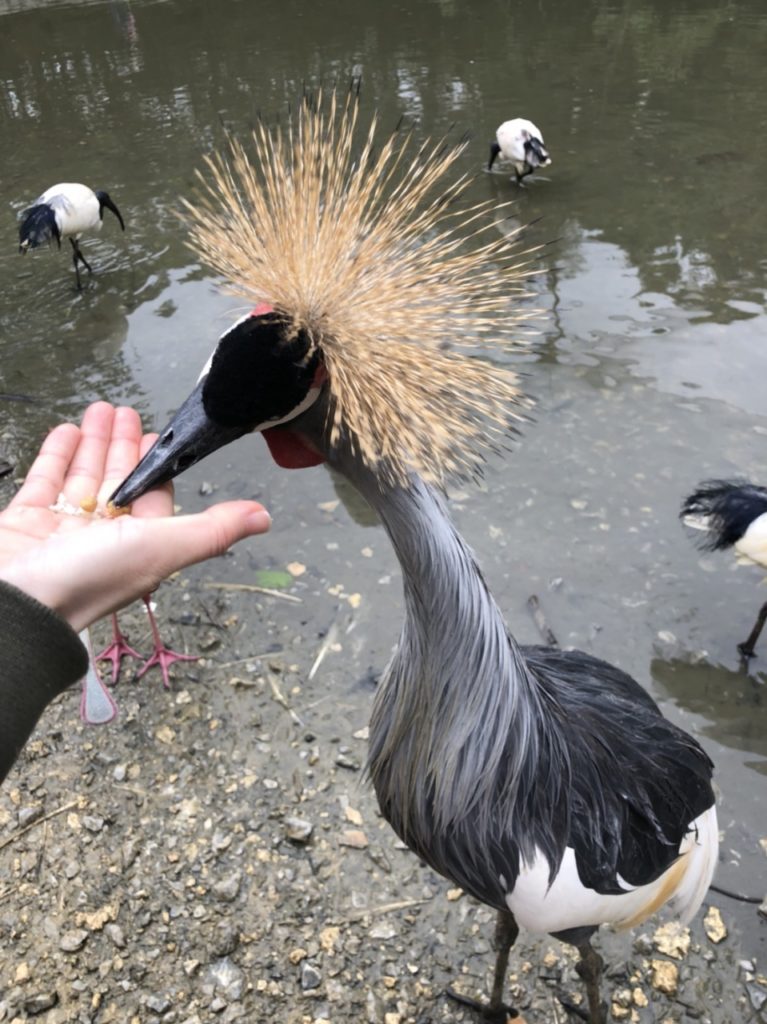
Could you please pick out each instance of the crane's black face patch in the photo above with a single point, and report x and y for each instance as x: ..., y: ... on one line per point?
x: 259, y: 373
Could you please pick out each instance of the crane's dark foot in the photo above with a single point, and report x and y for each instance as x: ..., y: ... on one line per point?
x: 493, y: 1014
x: 164, y: 657
x: 581, y: 1012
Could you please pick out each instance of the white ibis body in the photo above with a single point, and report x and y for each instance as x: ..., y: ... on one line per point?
x: 544, y: 782
x: 520, y: 143
x: 67, y: 210
x: 732, y: 514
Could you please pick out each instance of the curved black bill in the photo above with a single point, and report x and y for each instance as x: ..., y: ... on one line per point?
x: 113, y: 207
x: 189, y: 437
x: 105, y: 200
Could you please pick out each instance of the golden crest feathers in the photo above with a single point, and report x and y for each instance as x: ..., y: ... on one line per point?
x: 364, y: 247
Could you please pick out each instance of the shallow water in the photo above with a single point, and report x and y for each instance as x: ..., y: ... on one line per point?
x: 649, y: 368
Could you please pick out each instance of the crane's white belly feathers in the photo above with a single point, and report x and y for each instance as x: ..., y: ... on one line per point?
x: 568, y: 903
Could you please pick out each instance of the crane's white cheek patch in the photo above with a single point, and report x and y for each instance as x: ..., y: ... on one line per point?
x: 311, y: 397
x: 288, y: 449
x: 206, y: 369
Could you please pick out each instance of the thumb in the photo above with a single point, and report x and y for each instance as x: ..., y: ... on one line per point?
x: 175, y: 542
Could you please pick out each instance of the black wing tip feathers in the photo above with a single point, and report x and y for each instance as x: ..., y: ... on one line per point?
x: 37, y: 227
x: 728, y: 506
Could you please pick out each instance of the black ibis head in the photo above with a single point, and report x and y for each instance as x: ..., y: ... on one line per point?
x: 106, y: 202
x: 261, y: 375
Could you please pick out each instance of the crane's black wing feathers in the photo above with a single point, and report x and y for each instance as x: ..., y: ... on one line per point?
x: 613, y: 779
x: 636, y: 780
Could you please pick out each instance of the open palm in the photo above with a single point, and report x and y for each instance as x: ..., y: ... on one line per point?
x: 85, y: 567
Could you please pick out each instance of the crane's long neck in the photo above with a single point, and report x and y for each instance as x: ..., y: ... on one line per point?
x: 454, y: 719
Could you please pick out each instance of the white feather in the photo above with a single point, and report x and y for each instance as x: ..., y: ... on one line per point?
x: 752, y: 546
x: 568, y: 903
x: 75, y: 207
x: 512, y: 136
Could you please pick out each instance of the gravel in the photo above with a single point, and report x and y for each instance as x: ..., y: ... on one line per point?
x: 216, y: 855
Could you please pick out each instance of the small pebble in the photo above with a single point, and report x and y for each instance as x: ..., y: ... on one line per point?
x: 73, y: 940
x: 298, y: 830
x: 354, y: 838
x: 158, y: 1004
x: 310, y: 977
x: 228, y: 888
x: 40, y: 1002
x: 665, y: 976
x: 714, y: 925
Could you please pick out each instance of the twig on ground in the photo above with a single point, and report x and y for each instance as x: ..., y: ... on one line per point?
x: 36, y: 822
x: 540, y: 620
x: 282, y: 700
x: 252, y: 587
x: 385, y: 908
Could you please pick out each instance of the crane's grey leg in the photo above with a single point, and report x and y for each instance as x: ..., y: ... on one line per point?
x: 496, y: 1011
x: 77, y: 255
x: 747, y: 647
x: 589, y: 967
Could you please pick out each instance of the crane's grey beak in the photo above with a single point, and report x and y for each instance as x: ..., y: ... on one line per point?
x: 189, y: 437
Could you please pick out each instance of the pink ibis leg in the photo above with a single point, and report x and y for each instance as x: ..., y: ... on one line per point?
x: 96, y: 704
x: 162, y: 655
x: 117, y: 650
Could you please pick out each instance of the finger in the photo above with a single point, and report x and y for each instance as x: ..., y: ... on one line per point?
x: 158, y: 501
x: 123, y: 451
x: 170, y: 543
x: 45, y: 479
x: 87, y: 470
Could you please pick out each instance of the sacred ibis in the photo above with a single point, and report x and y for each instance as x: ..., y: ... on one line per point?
x: 521, y: 143
x: 546, y: 783
x: 733, y: 514
x: 67, y: 210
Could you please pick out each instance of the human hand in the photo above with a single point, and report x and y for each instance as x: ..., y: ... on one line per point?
x: 84, y: 567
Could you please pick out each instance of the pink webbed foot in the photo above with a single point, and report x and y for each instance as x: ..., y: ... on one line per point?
x: 117, y: 650
x: 162, y: 656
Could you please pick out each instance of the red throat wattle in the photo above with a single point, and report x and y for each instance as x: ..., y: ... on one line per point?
x: 289, y: 450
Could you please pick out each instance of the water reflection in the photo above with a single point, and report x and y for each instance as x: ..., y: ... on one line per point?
x: 733, y: 703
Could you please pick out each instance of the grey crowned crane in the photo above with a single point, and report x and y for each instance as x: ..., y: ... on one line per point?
x: 546, y: 783
x: 521, y: 143
x: 67, y: 210
x: 733, y: 514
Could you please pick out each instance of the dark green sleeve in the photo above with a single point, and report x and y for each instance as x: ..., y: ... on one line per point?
x: 40, y: 655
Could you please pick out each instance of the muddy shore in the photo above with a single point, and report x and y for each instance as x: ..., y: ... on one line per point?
x: 216, y: 854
